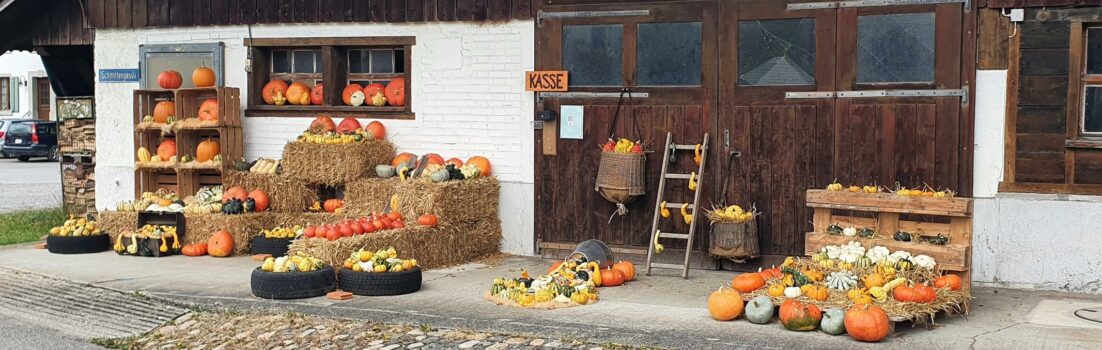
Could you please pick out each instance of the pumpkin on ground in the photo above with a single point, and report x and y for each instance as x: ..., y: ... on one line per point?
x: 396, y: 92
x: 317, y: 95
x: 953, y: 282
x: 346, y: 94
x: 348, y: 125
x: 627, y: 268
x: 797, y: 316
x: 236, y: 192
x: 298, y: 94
x: 833, y: 321
x: 194, y: 249
x: 203, y: 76
x: 611, y: 277
x: 401, y: 158
x: 170, y: 79
x: 377, y: 130
x: 760, y: 310
x: 868, y: 323
x: 271, y: 89
x: 167, y: 149
x: 207, y: 150
x: 163, y: 110
x: 725, y: 304
x: 483, y: 164
x: 748, y: 282
x: 220, y: 244
x: 322, y: 124
x: 208, y: 111
x: 260, y: 200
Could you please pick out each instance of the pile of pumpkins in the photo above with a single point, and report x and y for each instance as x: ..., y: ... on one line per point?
x: 207, y: 151
x: 323, y: 130
x: 237, y: 201
x: 219, y: 245
x: 867, y: 322
x: 365, y: 225
x: 437, y: 169
x: 384, y: 260
x: 278, y: 92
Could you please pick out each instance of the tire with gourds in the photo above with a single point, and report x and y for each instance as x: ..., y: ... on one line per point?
x: 275, y: 246
x: 78, y: 244
x: 380, y: 283
x: 293, y: 285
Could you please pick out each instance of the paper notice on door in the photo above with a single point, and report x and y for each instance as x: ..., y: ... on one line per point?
x: 571, y: 122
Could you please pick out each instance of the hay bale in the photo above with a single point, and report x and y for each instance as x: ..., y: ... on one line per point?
x: 453, y: 201
x: 333, y: 165
x: 305, y: 219
x: 115, y: 222
x: 285, y: 194
x: 369, y: 195
x: 241, y: 226
x: 433, y: 247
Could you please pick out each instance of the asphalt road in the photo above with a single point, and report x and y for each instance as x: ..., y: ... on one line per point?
x: 27, y: 185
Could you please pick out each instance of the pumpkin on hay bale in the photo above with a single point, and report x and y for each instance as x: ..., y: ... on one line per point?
x: 433, y: 247
x: 286, y: 195
x: 453, y: 201
x: 334, y: 164
x: 369, y: 195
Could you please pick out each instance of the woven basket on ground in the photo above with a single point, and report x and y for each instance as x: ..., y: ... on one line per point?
x: 620, y: 177
x: 738, y: 242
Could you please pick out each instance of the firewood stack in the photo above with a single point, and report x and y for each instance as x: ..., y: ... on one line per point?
x: 77, y: 136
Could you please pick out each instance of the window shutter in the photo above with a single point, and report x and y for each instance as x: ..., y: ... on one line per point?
x: 13, y: 84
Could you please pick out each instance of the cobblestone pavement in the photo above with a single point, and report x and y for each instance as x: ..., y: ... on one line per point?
x: 218, y: 331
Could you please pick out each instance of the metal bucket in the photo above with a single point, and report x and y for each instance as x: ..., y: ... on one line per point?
x: 594, y: 250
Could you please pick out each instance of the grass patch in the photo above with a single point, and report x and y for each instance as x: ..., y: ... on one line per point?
x: 28, y: 225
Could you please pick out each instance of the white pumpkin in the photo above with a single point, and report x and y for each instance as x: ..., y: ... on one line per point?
x: 792, y: 292
x: 924, y: 261
x: 357, y: 98
x: 849, y: 231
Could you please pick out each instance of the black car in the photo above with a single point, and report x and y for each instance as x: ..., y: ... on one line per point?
x: 31, y: 138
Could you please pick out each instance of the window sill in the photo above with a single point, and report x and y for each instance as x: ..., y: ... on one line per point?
x: 1050, y: 188
x: 1083, y: 142
x: 335, y: 111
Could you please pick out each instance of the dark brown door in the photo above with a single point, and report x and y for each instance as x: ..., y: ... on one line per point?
x: 666, y: 51
x: 808, y: 96
x: 42, y: 98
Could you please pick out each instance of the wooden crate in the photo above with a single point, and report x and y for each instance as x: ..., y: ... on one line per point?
x: 229, y: 104
x: 230, y: 144
x: 78, y: 184
x: 191, y: 180
x: 77, y: 136
x: 145, y: 100
x: 927, y: 217
x: 151, y: 139
x: 150, y: 180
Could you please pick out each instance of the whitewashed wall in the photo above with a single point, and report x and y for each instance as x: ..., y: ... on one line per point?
x: 467, y: 91
x: 1033, y: 241
x: 25, y: 66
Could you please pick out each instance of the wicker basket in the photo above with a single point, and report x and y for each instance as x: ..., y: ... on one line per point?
x: 738, y: 242
x: 620, y: 177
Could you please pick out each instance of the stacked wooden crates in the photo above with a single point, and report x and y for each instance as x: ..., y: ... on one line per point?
x: 77, y: 154
x: 187, y: 178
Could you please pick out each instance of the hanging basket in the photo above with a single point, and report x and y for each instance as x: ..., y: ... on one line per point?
x: 738, y: 242
x: 620, y: 176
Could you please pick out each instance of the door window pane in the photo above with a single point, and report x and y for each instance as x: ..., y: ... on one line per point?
x: 1092, y: 110
x: 1094, y: 51
x: 593, y: 54
x: 668, y: 54
x: 776, y: 52
x: 895, y: 48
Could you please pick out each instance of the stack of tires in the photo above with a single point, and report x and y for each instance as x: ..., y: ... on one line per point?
x: 298, y: 285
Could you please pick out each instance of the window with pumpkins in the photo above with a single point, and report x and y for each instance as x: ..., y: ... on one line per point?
x: 345, y: 76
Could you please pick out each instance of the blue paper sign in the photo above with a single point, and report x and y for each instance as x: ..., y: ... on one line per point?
x: 120, y: 75
x: 571, y: 122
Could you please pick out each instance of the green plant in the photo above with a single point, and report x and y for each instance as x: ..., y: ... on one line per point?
x: 28, y: 225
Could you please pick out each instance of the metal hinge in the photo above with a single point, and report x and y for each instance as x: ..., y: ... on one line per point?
x: 587, y: 95
x: 873, y: 3
x: 962, y: 93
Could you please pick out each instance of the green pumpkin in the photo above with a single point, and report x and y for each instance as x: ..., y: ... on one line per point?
x: 440, y: 176
x: 385, y: 171
x: 759, y: 310
x: 833, y: 322
x: 902, y: 236
x: 834, y: 229
x: 866, y: 232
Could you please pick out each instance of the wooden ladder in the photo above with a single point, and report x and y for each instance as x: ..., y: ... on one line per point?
x: 671, y: 151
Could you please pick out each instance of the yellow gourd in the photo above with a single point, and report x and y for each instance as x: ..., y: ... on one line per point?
x: 685, y: 214
x: 596, y: 275
x: 692, y: 181
x: 696, y: 155
x: 665, y: 211
x: 164, y: 245
x: 776, y: 290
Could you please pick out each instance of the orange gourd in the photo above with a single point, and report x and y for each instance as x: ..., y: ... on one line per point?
x: 317, y: 95
x: 953, y: 282
x: 163, y: 110
x: 483, y: 164
x: 454, y: 161
x: 322, y: 124
x: 770, y: 273
x: 348, y: 125
x: 220, y: 244
x: 815, y: 292
x: 868, y: 323
x: 725, y: 305
x: 260, y: 198
x: 270, y: 90
x: 627, y: 268
x: 797, y: 316
x: 331, y: 205
x: 203, y: 76
x: 396, y: 92
x: 236, y: 192
x: 373, y: 89
x: 170, y: 80
x: 346, y: 95
x: 429, y: 220
x: 208, y: 110
x: 611, y: 278
x: 167, y: 149
x: 194, y: 249
x: 401, y: 158
x: 298, y: 94
x: 377, y: 130
x: 748, y: 282
x: 433, y: 158
x: 207, y: 150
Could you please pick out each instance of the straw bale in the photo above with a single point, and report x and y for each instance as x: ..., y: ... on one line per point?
x: 334, y: 165
x: 241, y: 226
x: 285, y: 194
x: 304, y: 219
x: 369, y: 195
x: 115, y: 222
x: 433, y: 247
x: 453, y: 201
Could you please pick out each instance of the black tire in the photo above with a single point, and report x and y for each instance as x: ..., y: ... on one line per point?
x: 78, y: 244
x: 53, y: 156
x: 380, y: 283
x: 275, y: 246
x: 24, y: 158
x: 293, y: 285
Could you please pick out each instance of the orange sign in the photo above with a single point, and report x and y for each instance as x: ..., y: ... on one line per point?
x: 550, y: 80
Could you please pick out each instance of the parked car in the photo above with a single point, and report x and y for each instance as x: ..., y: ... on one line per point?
x: 25, y: 139
x: 4, y: 124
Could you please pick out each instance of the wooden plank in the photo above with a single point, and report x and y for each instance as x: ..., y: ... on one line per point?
x: 306, y: 11
x: 1013, y: 80
x: 332, y: 41
x: 180, y: 13
x: 993, y: 40
x: 1044, y: 61
x: 378, y: 10
x: 521, y: 9
x: 248, y: 11
x: 1075, y: 62
x: 110, y: 13
x: 887, y: 202
x: 1040, y: 143
x: 446, y: 10
x: 1050, y: 188
x: 396, y: 11
x: 888, y: 223
x: 286, y: 12
x: 1088, y: 167
x: 1039, y: 167
x: 952, y: 257
x: 1044, y: 35
x: 415, y: 10
x: 497, y: 10
x: 123, y: 11
x: 1043, y: 90
x: 361, y: 11
x: 1040, y: 120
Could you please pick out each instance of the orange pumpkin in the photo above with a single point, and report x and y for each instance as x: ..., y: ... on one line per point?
x: 322, y: 124
x: 373, y: 89
x: 317, y: 95
x: 797, y: 316
x: 919, y: 293
x: 433, y: 158
x: 377, y: 130
x: 401, y: 158
x: 346, y: 95
x: 203, y: 76
x: 725, y: 305
x: 167, y: 149
x: 348, y: 126
x: 868, y: 323
x: 208, y: 111
x: 627, y: 268
x: 163, y: 110
x: 396, y: 92
x: 611, y: 278
x: 770, y: 273
x: 748, y: 282
x: 207, y: 150
x: 170, y: 79
x: 953, y: 282
x: 331, y: 205
x: 483, y: 164
x: 429, y: 220
x: 298, y: 94
x: 220, y: 244
x: 261, y: 200
x: 194, y: 249
x: 454, y: 161
x: 554, y: 266
x: 270, y: 90
x: 235, y: 192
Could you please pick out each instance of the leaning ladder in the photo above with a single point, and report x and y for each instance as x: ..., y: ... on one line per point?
x: 671, y: 151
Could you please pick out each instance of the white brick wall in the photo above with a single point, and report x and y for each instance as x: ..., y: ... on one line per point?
x: 467, y: 91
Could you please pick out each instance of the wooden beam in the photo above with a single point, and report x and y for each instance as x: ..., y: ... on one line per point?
x: 333, y: 41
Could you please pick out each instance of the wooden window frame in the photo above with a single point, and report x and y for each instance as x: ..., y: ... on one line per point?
x: 5, y: 90
x: 334, y: 74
